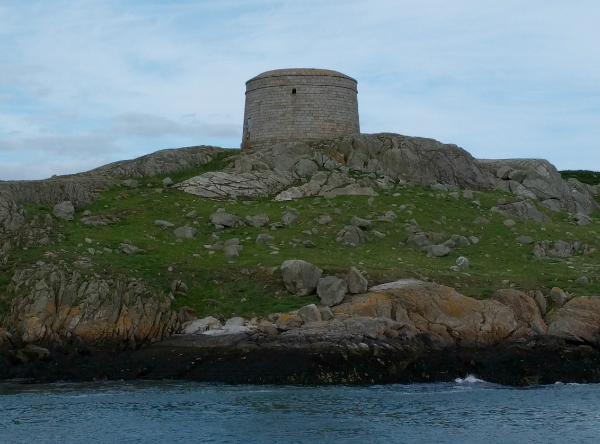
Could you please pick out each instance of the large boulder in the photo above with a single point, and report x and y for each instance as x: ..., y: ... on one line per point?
x: 310, y: 313
x: 526, y: 310
x: 300, y: 277
x: 64, y: 210
x: 363, y: 224
x: 525, y: 210
x: 356, y: 281
x: 232, y: 248
x: 224, y: 219
x: 578, y: 320
x: 331, y: 290
x: 350, y: 235
x: 374, y: 305
x: 438, y: 250
x: 258, y: 221
x: 185, y: 232
x: 79, y: 189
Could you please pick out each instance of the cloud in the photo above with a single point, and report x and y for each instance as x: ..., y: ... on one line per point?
x: 493, y: 77
x: 146, y: 125
x: 72, y: 147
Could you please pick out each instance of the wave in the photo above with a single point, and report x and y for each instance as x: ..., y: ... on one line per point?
x: 469, y: 379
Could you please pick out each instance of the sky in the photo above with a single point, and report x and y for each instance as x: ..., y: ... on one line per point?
x: 84, y: 83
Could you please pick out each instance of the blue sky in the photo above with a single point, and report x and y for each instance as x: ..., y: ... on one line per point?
x: 84, y: 83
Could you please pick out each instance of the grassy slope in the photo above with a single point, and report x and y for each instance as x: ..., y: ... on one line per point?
x: 249, y: 286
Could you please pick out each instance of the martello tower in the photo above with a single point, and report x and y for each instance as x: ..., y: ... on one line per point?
x: 299, y: 104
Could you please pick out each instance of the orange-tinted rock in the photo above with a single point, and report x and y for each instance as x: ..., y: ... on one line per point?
x: 289, y: 321
x: 373, y: 305
x: 53, y: 304
x: 578, y: 320
x: 428, y: 307
x: 526, y: 310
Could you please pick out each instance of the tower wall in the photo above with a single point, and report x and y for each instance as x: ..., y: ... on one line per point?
x: 299, y: 104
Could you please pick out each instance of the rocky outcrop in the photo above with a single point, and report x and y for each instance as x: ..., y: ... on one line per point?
x: 451, y: 318
x: 560, y: 249
x: 380, y: 158
x: 159, y: 163
x: 524, y: 210
x: 414, y: 160
x: 300, y: 277
x: 539, y: 179
x: 52, y: 304
x: 321, y: 168
x: 83, y: 188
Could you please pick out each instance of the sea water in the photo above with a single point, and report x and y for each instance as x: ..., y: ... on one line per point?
x: 465, y: 411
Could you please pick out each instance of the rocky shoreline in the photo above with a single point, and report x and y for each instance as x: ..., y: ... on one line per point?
x: 234, y: 360
x: 405, y: 332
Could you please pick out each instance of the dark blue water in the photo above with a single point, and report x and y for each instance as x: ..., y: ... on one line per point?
x: 183, y: 412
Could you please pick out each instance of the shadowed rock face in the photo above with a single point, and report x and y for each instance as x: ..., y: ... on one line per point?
x: 55, y: 305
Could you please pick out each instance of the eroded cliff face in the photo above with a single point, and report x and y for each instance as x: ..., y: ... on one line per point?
x: 55, y: 305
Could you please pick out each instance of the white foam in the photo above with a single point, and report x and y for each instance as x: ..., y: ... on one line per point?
x: 470, y: 379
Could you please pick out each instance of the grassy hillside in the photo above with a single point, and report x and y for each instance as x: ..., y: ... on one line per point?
x: 250, y: 285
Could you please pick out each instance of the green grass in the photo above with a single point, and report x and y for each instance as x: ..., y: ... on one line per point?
x: 584, y: 176
x: 251, y: 286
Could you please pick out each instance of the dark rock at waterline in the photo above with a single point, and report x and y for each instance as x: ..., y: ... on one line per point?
x: 279, y: 360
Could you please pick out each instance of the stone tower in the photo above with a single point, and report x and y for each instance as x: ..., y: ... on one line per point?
x: 299, y: 104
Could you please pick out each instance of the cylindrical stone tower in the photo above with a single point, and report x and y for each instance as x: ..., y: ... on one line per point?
x: 299, y: 104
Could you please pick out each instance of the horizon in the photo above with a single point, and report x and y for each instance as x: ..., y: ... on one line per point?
x: 84, y: 84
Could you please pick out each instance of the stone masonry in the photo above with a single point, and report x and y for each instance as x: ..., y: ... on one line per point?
x: 299, y: 104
